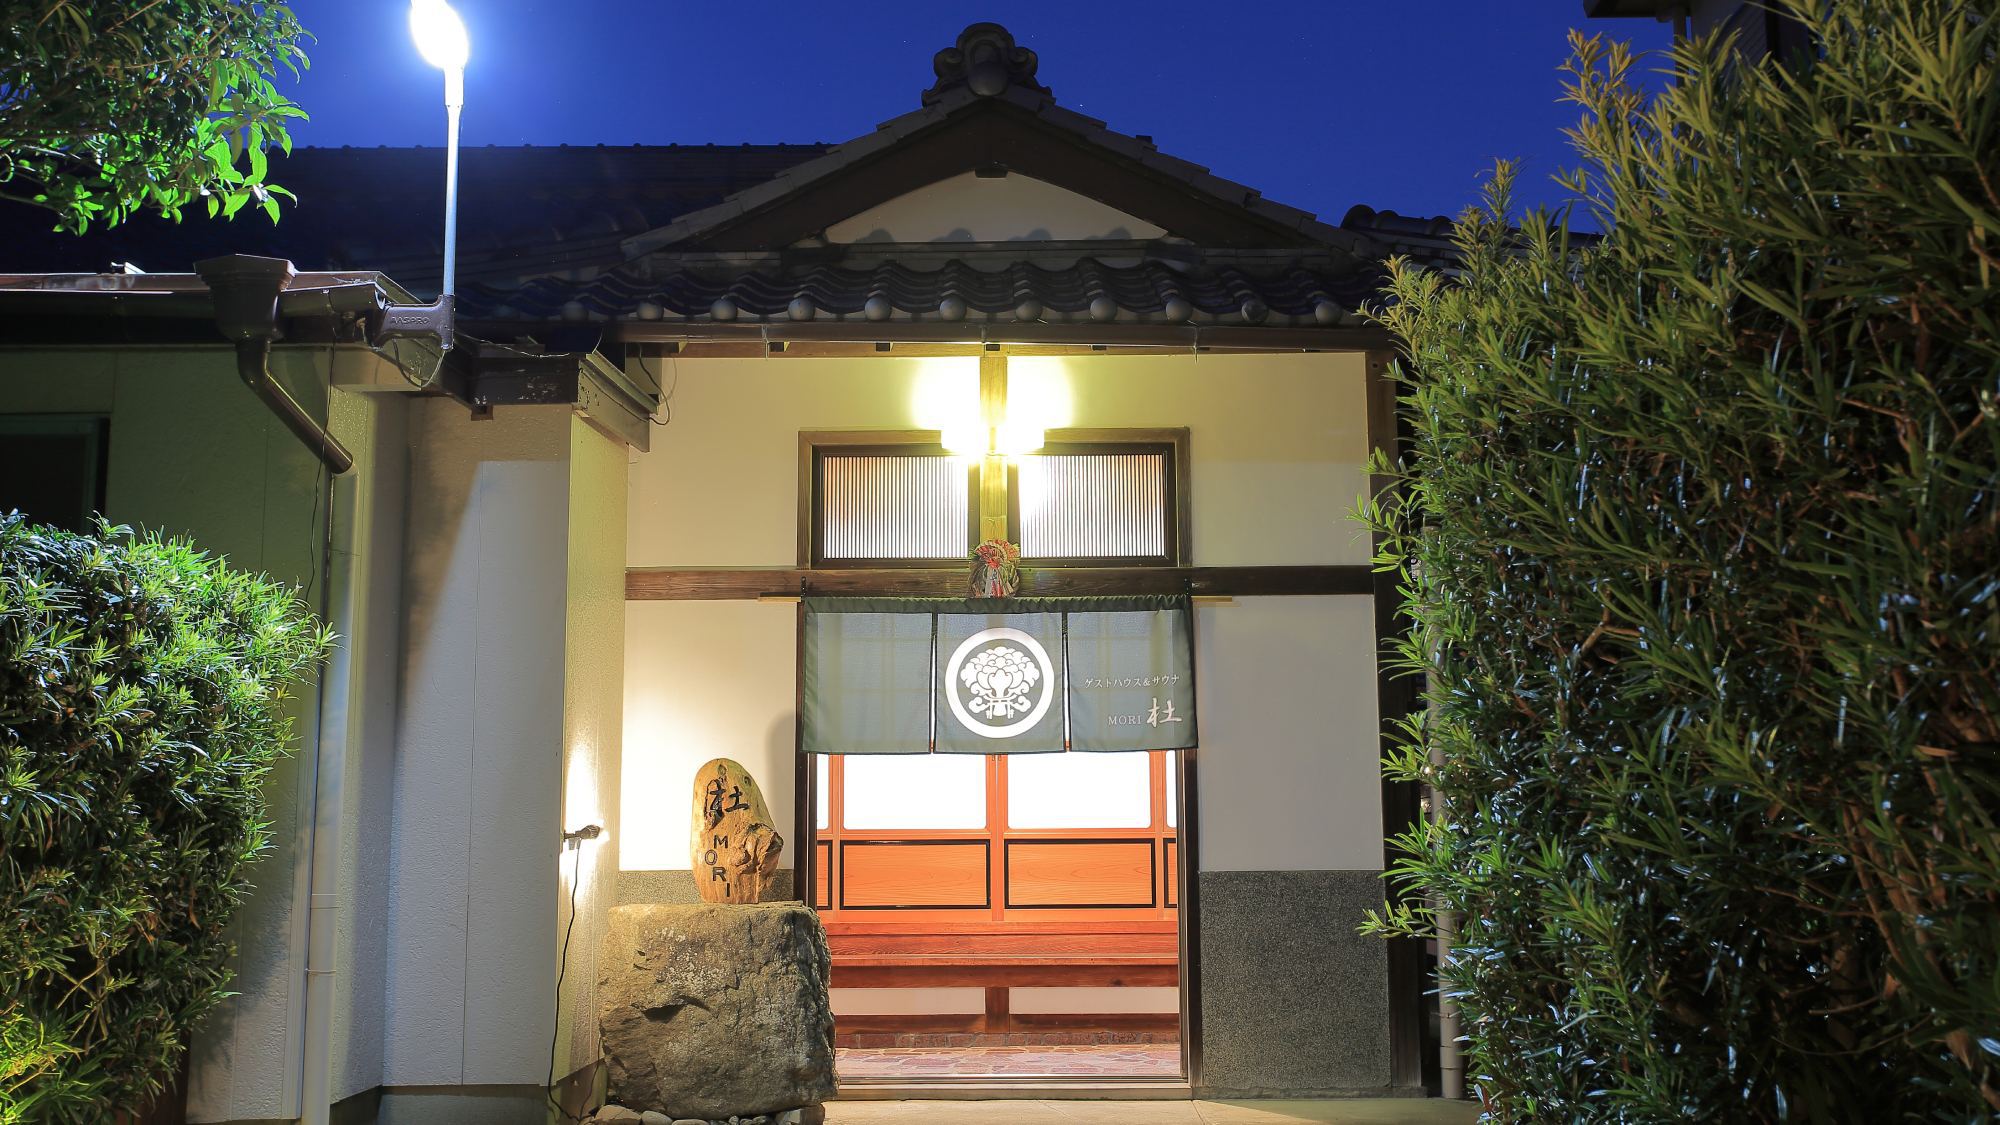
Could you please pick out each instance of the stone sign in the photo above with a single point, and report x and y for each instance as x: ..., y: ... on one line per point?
x: 735, y: 849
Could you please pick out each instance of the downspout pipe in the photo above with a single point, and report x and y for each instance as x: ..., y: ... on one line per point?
x: 1451, y: 1058
x: 245, y: 289
x: 329, y: 781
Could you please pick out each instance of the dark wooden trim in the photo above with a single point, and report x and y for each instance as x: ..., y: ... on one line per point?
x: 1412, y: 1046
x: 805, y: 841
x: 999, y: 1016
x: 1187, y: 916
x: 749, y: 583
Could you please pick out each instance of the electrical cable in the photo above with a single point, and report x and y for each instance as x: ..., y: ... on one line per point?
x: 562, y: 969
x: 667, y: 399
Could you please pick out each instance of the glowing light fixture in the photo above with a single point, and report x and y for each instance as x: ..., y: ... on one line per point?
x: 440, y: 35
x: 965, y: 439
x: 1013, y: 439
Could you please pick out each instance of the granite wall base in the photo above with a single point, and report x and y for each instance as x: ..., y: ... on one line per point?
x: 1294, y: 1001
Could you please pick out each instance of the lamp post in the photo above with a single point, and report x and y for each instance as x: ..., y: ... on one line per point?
x: 440, y: 37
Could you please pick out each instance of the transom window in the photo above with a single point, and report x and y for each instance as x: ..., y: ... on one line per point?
x: 1086, y: 498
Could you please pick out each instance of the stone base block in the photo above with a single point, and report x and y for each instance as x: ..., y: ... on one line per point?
x: 717, y: 1010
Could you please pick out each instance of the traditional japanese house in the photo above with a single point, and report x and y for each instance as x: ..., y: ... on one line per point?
x: 701, y: 480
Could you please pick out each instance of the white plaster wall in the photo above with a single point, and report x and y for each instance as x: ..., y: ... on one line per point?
x: 593, y: 721
x: 968, y: 208
x: 368, y: 562
x: 1278, y: 444
x: 720, y: 484
x: 1289, y: 736
x: 193, y: 452
x: 474, y: 853
x: 704, y: 680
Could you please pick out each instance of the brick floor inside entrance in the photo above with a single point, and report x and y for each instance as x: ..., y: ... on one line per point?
x: 1119, y: 1060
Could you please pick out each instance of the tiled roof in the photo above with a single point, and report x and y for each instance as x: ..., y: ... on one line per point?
x: 383, y: 209
x: 582, y: 234
x: 1426, y: 241
x: 1003, y: 286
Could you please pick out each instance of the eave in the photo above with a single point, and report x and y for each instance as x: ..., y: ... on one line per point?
x: 341, y: 310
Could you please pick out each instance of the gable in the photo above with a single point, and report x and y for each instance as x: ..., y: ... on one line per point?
x: 971, y: 207
x: 990, y: 116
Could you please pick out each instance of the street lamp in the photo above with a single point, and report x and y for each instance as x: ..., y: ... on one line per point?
x: 441, y: 39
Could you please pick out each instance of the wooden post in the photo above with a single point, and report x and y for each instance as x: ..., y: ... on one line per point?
x: 992, y: 467
x: 1412, y: 1048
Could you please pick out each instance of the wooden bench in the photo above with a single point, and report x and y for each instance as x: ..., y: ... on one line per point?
x: 1083, y: 958
x: 997, y: 958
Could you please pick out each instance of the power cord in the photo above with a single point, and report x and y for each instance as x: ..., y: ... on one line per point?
x: 570, y: 839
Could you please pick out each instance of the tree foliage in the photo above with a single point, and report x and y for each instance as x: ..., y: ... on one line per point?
x: 1700, y: 533
x: 112, y: 107
x: 141, y: 685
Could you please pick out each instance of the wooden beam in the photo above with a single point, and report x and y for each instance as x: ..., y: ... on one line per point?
x: 698, y: 584
x: 993, y: 466
x: 1070, y: 975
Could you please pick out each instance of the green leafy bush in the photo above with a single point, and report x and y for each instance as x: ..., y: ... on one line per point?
x: 140, y: 689
x: 1700, y: 532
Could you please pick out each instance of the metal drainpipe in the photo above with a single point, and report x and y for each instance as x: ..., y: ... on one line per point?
x: 245, y: 290
x: 323, y: 864
x: 1451, y: 1061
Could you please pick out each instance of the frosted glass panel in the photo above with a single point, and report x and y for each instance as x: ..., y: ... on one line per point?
x: 914, y: 791
x: 1079, y: 791
x: 891, y: 507
x: 824, y: 788
x: 1095, y: 505
x: 1173, y: 789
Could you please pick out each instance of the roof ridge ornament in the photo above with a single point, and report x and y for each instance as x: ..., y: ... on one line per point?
x: 985, y: 60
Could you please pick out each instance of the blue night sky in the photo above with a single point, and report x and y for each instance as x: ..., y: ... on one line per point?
x: 1400, y: 104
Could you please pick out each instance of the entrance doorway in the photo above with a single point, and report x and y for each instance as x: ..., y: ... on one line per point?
x: 1002, y: 917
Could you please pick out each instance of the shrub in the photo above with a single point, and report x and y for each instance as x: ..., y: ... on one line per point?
x: 140, y: 689
x: 1700, y: 532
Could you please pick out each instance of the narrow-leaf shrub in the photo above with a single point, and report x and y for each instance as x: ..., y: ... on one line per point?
x: 140, y: 692
x: 1700, y: 533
